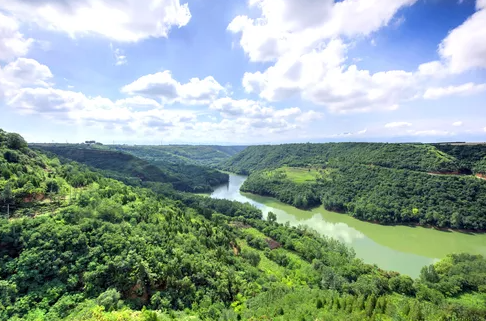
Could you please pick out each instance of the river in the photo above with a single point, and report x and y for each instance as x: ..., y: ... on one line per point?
x: 396, y: 248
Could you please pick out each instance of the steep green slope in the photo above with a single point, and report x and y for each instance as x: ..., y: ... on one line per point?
x: 119, y: 165
x: 480, y: 168
x: 384, y: 195
x: 418, y: 157
x: 471, y: 156
x: 385, y: 183
x: 182, y: 154
x: 102, y: 250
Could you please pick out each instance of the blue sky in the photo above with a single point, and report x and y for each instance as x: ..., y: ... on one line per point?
x: 243, y: 72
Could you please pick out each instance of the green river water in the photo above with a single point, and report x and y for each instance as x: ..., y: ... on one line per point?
x: 396, y: 248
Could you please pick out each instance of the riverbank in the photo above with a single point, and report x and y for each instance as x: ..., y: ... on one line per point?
x: 405, y: 249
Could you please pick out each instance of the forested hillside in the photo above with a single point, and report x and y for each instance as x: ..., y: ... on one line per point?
x: 419, y: 157
x: 182, y: 154
x: 75, y: 245
x: 385, y: 183
x: 471, y: 156
x: 388, y: 196
x: 123, y: 166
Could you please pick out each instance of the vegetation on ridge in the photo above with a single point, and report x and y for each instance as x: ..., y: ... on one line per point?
x: 131, y: 169
x: 93, y: 248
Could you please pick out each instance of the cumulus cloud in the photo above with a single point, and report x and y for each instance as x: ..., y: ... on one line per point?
x: 127, y: 20
x: 465, y: 89
x: 75, y: 107
x: 399, y: 124
x: 256, y: 114
x: 301, y: 25
x: 120, y: 58
x: 310, y: 56
x: 162, y: 85
x: 464, y: 47
x: 350, y: 134
x: 431, y: 132
x: 457, y: 124
x: 12, y: 43
x: 23, y: 72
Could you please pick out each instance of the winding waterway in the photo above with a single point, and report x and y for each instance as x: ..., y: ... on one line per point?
x: 397, y: 248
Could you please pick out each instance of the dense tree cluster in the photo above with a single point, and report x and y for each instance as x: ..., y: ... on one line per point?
x: 388, y: 196
x: 419, y: 157
x: 133, y: 170
x: 470, y: 156
x: 182, y: 154
x: 93, y: 248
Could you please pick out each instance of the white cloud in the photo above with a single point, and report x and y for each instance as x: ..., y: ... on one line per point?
x: 128, y: 20
x: 300, y: 26
x: 120, y: 58
x: 465, y: 89
x: 457, y: 124
x: 22, y: 72
x: 12, y: 42
x: 480, y: 4
x: 350, y: 134
x: 255, y: 114
x: 400, y: 124
x: 465, y: 48
x: 433, y: 69
x: 310, y: 57
x: 162, y: 85
x: 141, y: 116
x: 135, y: 113
x: 431, y: 132
x: 320, y: 77
x: 234, y: 108
x: 138, y: 103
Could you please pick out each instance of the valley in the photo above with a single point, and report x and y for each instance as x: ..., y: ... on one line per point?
x: 396, y: 248
x: 90, y: 232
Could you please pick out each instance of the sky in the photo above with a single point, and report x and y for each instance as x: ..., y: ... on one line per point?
x: 243, y: 71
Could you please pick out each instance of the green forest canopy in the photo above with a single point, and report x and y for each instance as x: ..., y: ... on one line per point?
x: 385, y: 183
x: 124, y: 166
x: 77, y: 245
x: 205, y: 155
x: 417, y: 157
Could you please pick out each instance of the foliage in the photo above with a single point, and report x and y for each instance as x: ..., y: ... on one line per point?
x: 419, y: 157
x: 133, y: 170
x: 385, y: 195
x: 93, y: 248
x: 182, y: 154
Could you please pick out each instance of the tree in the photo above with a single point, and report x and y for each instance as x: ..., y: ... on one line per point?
x: 252, y: 256
x: 272, y: 217
x: 110, y: 299
x: 15, y: 141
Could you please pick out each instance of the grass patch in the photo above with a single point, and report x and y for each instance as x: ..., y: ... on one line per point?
x: 266, y: 265
x: 302, y: 175
x: 254, y: 232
